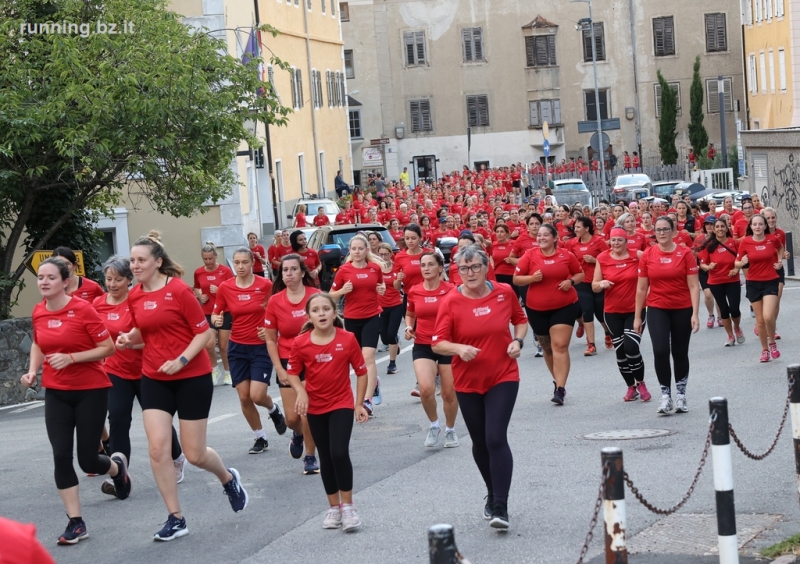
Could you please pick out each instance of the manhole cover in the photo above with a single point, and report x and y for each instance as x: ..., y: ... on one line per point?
x: 627, y: 434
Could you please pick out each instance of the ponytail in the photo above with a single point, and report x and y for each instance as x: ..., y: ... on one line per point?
x: 337, y: 320
x: 153, y: 242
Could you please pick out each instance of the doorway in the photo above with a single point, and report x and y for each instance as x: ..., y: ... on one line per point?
x: 424, y: 168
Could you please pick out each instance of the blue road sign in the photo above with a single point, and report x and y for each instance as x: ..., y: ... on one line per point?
x: 546, y: 147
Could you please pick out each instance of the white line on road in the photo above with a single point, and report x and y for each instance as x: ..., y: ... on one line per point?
x: 25, y: 406
x: 221, y: 418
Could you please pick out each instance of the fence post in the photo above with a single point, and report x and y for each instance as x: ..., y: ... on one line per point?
x: 723, y: 482
x: 790, y: 248
x: 442, y: 545
x: 794, y: 407
x: 614, y: 506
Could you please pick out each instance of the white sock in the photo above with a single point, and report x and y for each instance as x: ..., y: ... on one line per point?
x: 435, y: 424
x: 448, y: 429
x: 274, y: 407
x: 260, y: 434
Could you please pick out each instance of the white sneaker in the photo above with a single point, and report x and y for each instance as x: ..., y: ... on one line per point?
x: 333, y: 519
x: 433, y: 437
x: 450, y: 439
x: 666, y: 405
x: 350, y: 520
x: 680, y: 404
x: 226, y: 381
x: 216, y: 376
x: 180, y: 464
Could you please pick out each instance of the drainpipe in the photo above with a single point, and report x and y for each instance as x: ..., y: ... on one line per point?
x: 635, y: 79
x: 320, y: 190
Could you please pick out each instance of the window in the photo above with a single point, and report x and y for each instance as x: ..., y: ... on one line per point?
x: 323, y: 6
x: 478, y: 111
x: 545, y: 111
x: 322, y: 172
x: 414, y: 42
x: 329, y: 83
x: 782, y: 68
x: 540, y: 50
x: 753, y: 74
x: 712, y: 95
x: 349, y: 69
x: 421, y: 116
x: 591, y: 108
x: 301, y: 163
x: 297, y: 88
x: 354, y: 117
x: 344, y: 11
x: 772, y: 71
x: 316, y: 88
x: 599, y: 42
x: 768, y: 10
x: 758, y: 10
x: 271, y: 79
x: 716, y: 35
x: 342, y: 89
x: 747, y: 12
x: 333, y: 7
x: 472, y: 44
x: 778, y: 8
x: 762, y: 66
x: 664, y: 36
x: 676, y: 86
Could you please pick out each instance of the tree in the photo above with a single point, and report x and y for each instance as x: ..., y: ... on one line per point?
x: 159, y: 109
x: 698, y: 136
x: 667, y: 124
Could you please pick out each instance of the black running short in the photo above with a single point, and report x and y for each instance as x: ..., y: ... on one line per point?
x: 227, y: 322
x: 284, y: 364
x: 367, y: 330
x: 425, y: 351
x: 542, y: 321
x: 190, y: 398
x: 756, y: 290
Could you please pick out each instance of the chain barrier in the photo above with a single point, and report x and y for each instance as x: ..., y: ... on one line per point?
x: 749, y: 454
x: 597, y: 505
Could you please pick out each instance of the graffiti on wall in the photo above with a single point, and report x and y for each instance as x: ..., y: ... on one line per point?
x: 784, y: 193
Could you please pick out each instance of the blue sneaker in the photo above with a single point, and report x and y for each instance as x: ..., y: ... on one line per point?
x: 377, y: 397
x: 122, y: 481
x: 75, y: 532
x: 310, y: 465
x: 173, y: 529
x: 235, y: 492
x: 296, y: 445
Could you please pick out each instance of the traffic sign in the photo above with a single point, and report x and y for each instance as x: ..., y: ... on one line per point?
x: 594, y: 144
x: 38, y: 257
x: 546, y: 148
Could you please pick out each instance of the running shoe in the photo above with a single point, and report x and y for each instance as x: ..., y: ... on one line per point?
x: 591, y: 350
x: 559, y: 395
x: 764, y: 356
x: 539, y: 352
x: 215, y: 376
x: 107, y: 487
x: 777, y: 337
x: 122, y: 481
x: 680, y: 404
x: 666, y: 405
x: 333, y: 518
x: 350, y: 521
x: 499, y: 516
x: 278, y: 420
x: 719, y: 322
x: 433, y: 437
x: 710, y: 322
x: 632, y: 394
x: 235, y: 492
x: 450, y: 439
x: 739, y: 336
x: 296, y: 445
x: 609, y: 342
x: 489, y: 506
x: 310, y: 465
x: 180, y: 464
x: 75, y: 532
x: 261, y: 445
x: 226, y: 380
x: 415, y: 391
x: 773, y: 350
x: 392, y: 368
x: 579, y: 332
x: 368, y: 406
x: 644, y: 393
x: 383, y: 348
x: 172, y: 529
x: 377, y: 397
x: 730, y: 342
x: 752, y: 313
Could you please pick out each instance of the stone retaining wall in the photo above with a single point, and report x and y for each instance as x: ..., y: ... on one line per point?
x: 15, y: 345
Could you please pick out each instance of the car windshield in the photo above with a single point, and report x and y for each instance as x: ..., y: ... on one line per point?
x: 343, y: 238
x: 664, y: 189
x: 628, y: 180
x: 329, y: 207
x: 570, y: 186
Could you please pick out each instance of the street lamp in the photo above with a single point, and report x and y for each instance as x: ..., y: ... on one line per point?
x: 581, y: 25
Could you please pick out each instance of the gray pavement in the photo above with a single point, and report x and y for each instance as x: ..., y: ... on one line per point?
x: 402, y: 488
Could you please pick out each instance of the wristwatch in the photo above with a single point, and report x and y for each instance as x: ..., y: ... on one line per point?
x: 520, y: 341
x: 184, y: 360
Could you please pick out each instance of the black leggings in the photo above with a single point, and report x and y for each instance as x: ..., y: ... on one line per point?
x: 391, y: 317
x: 331, y: 432
x: 120, y: 404
x: 627, y: 344
x: 506, y: 279
x: 486, y: 417
x: 81, y: 413
x: 728, y: 296
x: 670, y: 329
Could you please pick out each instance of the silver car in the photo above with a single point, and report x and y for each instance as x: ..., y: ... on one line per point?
x: 633, y: 186
x: 571, y: 190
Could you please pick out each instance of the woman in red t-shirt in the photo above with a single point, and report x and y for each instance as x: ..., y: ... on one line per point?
x: 321, y: 219
x: 637, y: 242
x: 325, y: 352
x: 668, y: 286
x: 424, y: 301
x: 299, y: 244
x: 67, y: 332
x: 759, y: 254
x: 563, y: 223
x: 300, y: 219
x: 245, y: 298
x: 175, y: 376
x: 284, y: 318
x: 80, y: 287
x: 778, y: 238
x: 501, y: 255
x: 616, y: 275
x: 393, y: 304
x: 551, y: 275
x: 647, y: 229
x: 705, y: 236
x: 207, y: 280
x: 717, y: 256
x: 394, y: 230
x: 472, y: 328
x: 406, y: 262
x: 259, y: 254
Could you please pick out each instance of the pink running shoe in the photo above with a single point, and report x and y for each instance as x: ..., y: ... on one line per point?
x: 631, y: 394
x: 644, y: 393
x: 777, y: 337
x: 579, y: 332
x: 773, y: 350
x: 719, y: 322
x: 710, y: 322
x: 764, y: 356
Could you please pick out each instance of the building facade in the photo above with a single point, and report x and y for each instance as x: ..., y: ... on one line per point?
x: 422, y: 74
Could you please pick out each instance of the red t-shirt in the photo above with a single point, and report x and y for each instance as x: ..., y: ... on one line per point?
x: 311, y: 258
x: 125, y: 363
x: 593, y: 247
x: 483, y: 324
x: 246, y: 306
x: 257, y: 266
x: 168, y: 320
x: 564, y: 232
x: 74, y: 328
x: 409, y: 265
x: 344, y: 218
x: 19, y: 544
x: 740, y: 228
x: 523, y: 244
x: 545, y: 295
x: 637, y: 242
x: 362, y: 302
x: 761, y: 256
x: 327, y: 370
x: 87, y: 290
x: 287, y: 318
x: 300, y: 220
x: 649, y: 236
x: 320, y: 220
x: 778, y: 238
x: 724, y: 256
x: 667, y: 273
x: 391, y: 297
x: 621, y: 297
x: 424, y: 304
x: 499, y: 253
x: 682, y: 238
x: 203, y: 280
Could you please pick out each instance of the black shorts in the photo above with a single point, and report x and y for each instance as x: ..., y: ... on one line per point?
x: 227, y: 322
x: 756, y: 290
x: 190, y: 398
x: 367, y: 330
x: 425, y: 351
x: 542, y: 321
x: 515, y: 184
x: 284, y: 364
x: 249, y: 362
x: 262, y: 274
x: 702, y: 275
x: 591, y: 302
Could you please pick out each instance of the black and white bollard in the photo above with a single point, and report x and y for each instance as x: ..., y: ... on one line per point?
x: 723, y: 482
x: 794, y: 408
x: 442, y: 545
x: 614, y: 506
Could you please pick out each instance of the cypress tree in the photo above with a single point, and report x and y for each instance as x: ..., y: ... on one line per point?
x: 667, y: 124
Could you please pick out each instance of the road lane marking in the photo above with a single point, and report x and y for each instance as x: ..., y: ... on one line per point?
x: 221, y: 417
x: 25, y: 407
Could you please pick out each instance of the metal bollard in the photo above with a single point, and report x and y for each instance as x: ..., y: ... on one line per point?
x: 790, y: 248
x: 794, y: 407
x: 614, y: 506
x: 442, y: 545
x: 723, y: 482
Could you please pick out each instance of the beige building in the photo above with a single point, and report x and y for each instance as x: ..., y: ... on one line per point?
x: 421, y: 73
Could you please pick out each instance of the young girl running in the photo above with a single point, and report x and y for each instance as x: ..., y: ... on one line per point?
x: 325, y: 352
x: 207, y: 280
x: 393, y: 305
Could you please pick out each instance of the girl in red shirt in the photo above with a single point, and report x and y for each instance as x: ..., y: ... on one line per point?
x: 705, y: 236
x: 501, y: 255
x: 175, y: 375
x: 393, y: 304
x: 394, y: 230
x: 472, y: 328
x: 284, y: 318
x: 563, y: 223
x: 669, y: 287
x: 637, y: 243
x: 647, y: 228
x: 300, y: 219
x: 551, y: 275
x: 406, y: 262
x: 67, y: 332
x: 81, y: 287
x: 259, y: 254
x: 207, y: 279
x: 299, y: 244
x: 778, y: 238
x: 325, y: 352
x: 717, y: 257
x: 424, y: 301
x: 245, y: 298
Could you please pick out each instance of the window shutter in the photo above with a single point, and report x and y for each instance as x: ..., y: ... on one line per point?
x: 416, y: 117
x: 556, y: 111
x: 328, y: 82
x: 466, y: 44
x: 313, y: 88
x: 534, y: 111
x: 472, y: 111
x: 587, y: 46
x: 551, y: 47
x: 420, y: 41
x: 658, y: 36
x: 782, y: 68
x: 711, y: 33
x: 760, y: 166
x: 722, y: 35
x: 530, y: 51
x: 294, y: 89
x: 477, y: 42
x: 669, y: 36
x: 425, y: 111
x: 713, y: 96
x: 599, y: 39
x: 762, y: 66
x: 483, y: 111
x: 772, y: 72
x: 778, y: 8
x: 545, y: 111
x: 343, y: 89
x: 657, y: 89
x: 591, y: 108
x: 408, y: 40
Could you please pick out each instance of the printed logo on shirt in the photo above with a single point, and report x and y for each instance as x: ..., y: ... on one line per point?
x: 53, y: 323
x: 431, y: 299
x: 501, y: 298
x: 211, y: 278
x: 481, y: 311
x: 415, y: 262
x: 299, y: 313
x: 70, y: 313
x: 267, y: 322
x: 665, y: 260
x: 362, y: 276
x: 244, y: 297
x: 150, y: 305
x: 113, y: 316
x: 323, y: 357
x: 621, y: 265
x: 168, y: 296
x: 339, y: 347
x: 549, y: 262
x: 761, y: 247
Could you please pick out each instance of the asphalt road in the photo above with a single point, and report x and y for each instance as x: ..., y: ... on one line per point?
x: 402, y: 487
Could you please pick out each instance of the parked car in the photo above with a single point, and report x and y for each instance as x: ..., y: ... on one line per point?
x: 665, y: 188
x: 690, y: 188
x: 571, y: 190
x: 632, y: 187
x: 313, y: 204
x: 719, y: 196
x: 332, y: 242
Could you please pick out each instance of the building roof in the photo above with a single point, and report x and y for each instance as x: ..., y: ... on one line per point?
x: 539, y: 23
x: 352, y: 101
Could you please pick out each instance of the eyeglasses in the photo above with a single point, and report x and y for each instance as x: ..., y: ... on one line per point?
x: 475, y: 268
x: 747, y: 207
x: 663, y: 229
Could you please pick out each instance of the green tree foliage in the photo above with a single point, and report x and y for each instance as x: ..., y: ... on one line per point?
x: 667, y: 124
x: 158, y: 112
x: 698, y: 137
